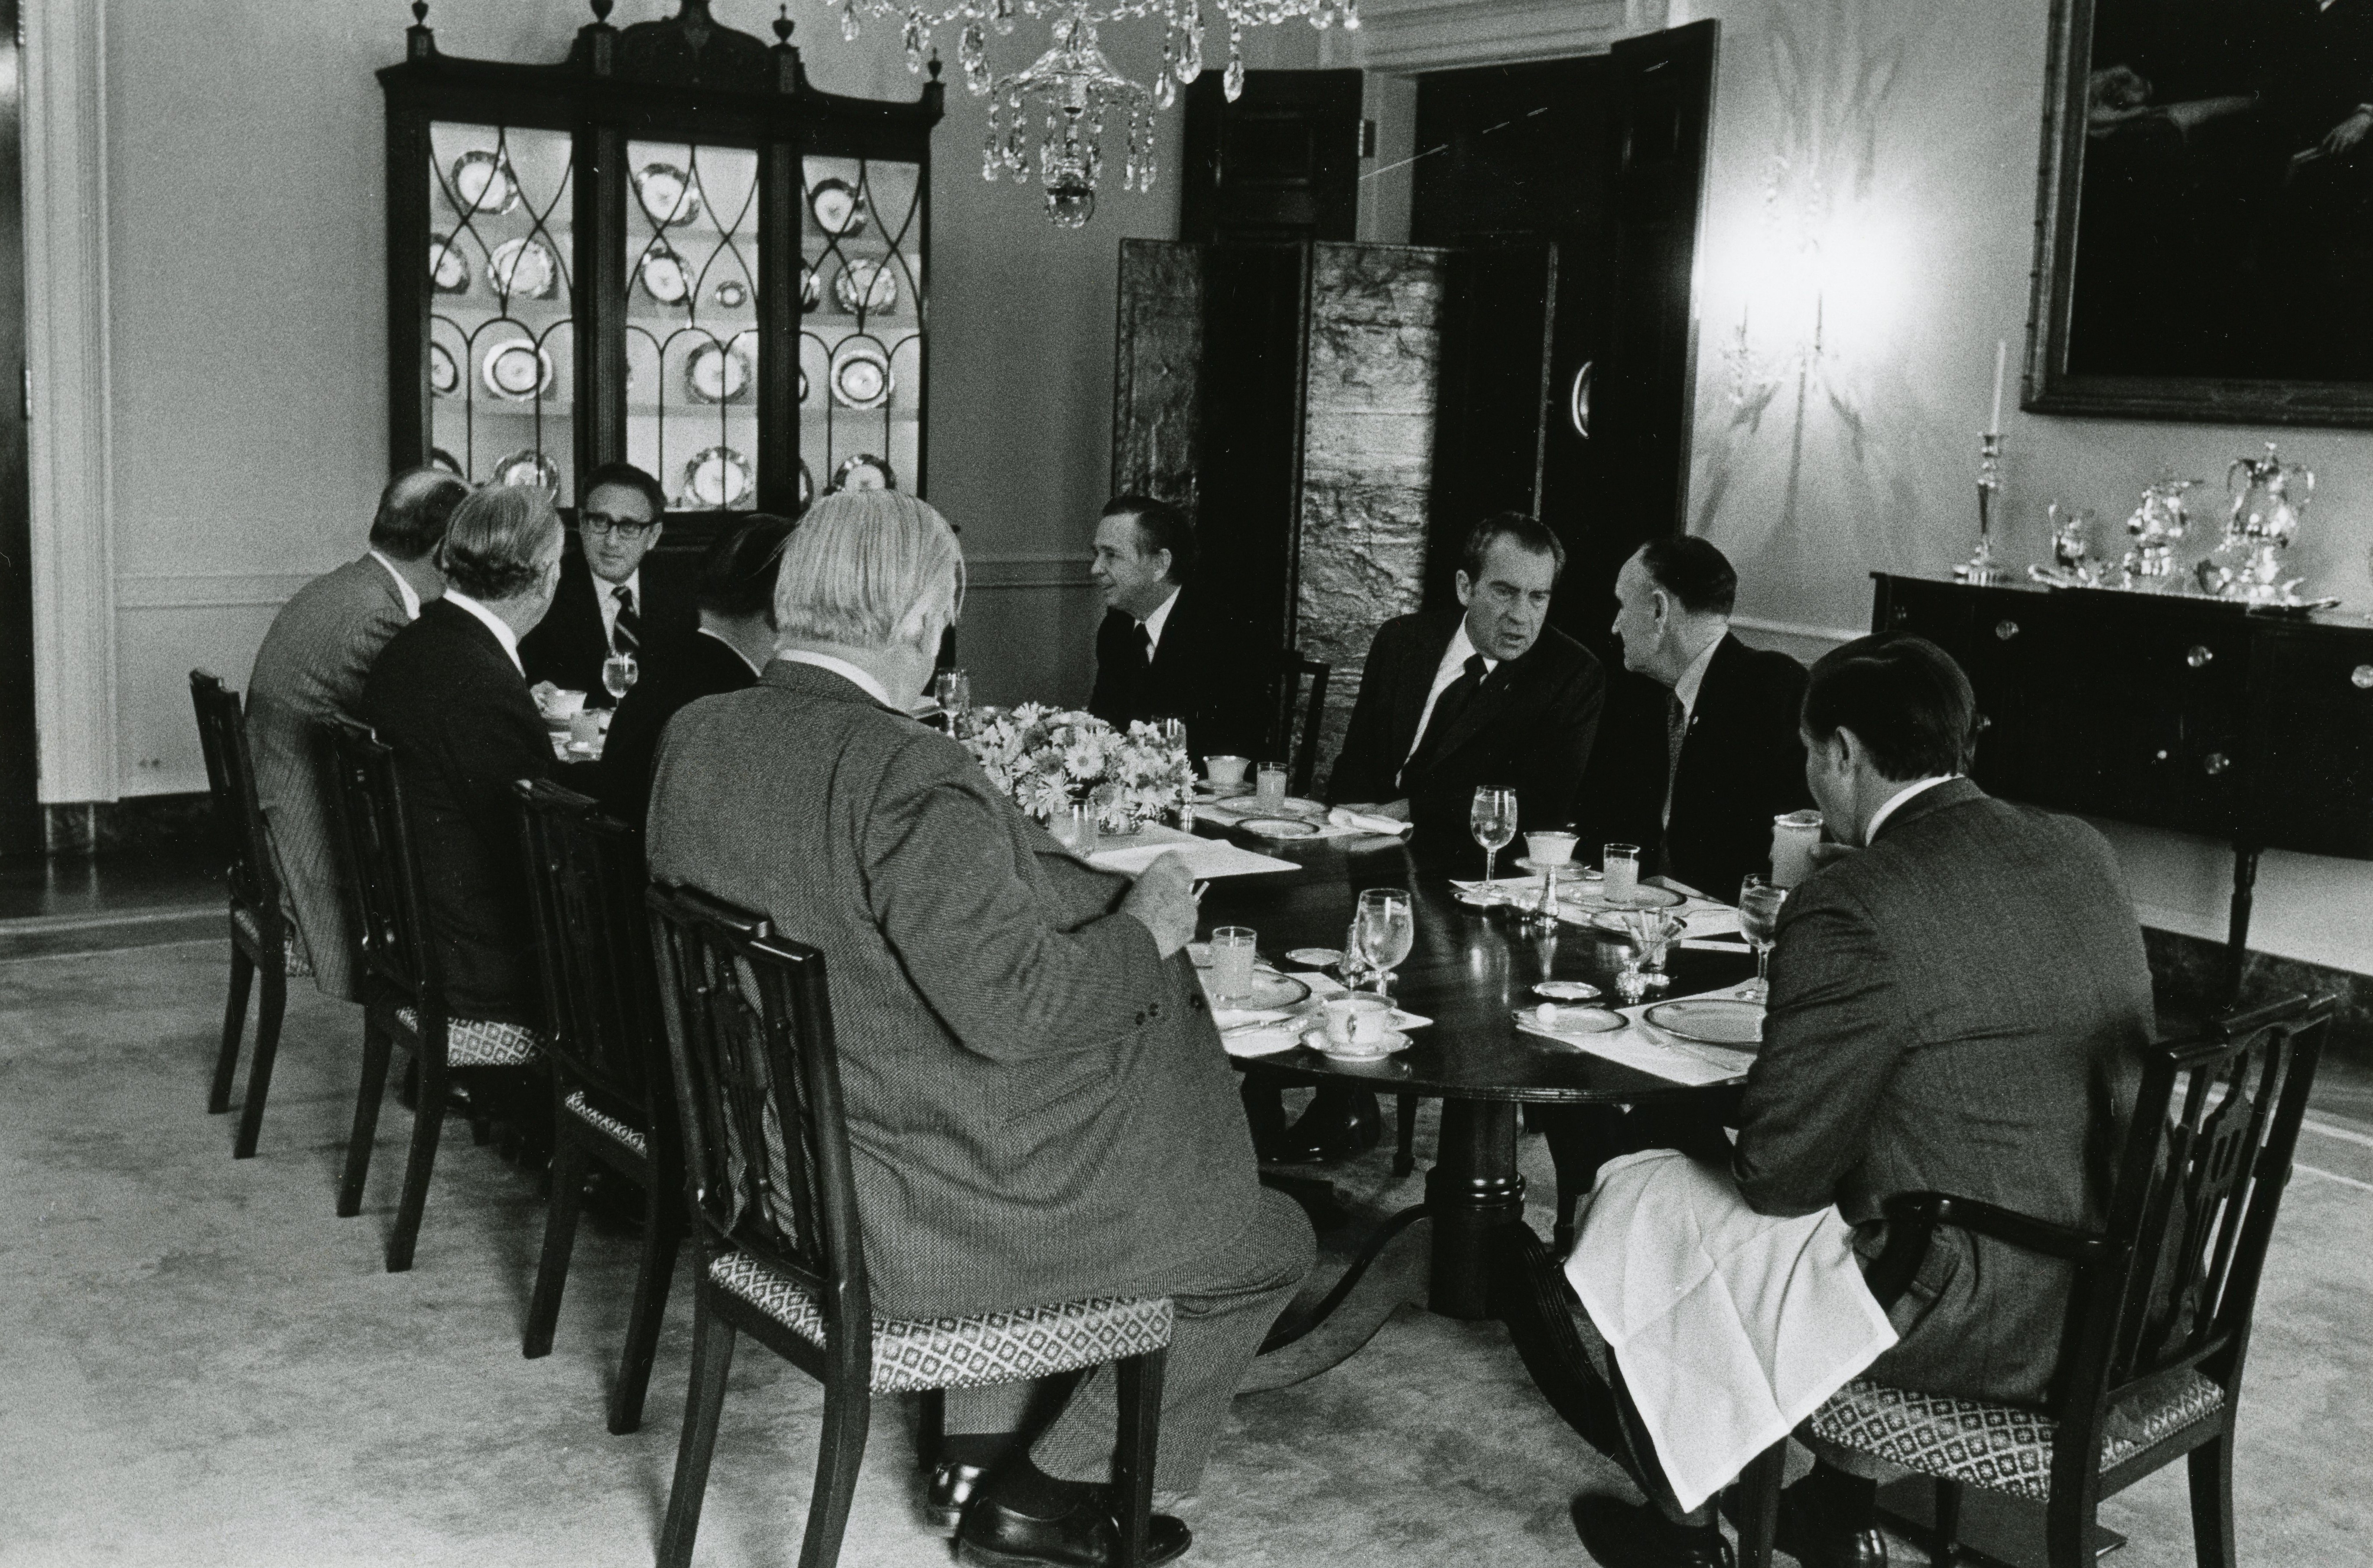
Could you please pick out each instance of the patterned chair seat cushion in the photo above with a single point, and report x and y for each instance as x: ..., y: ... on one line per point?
x: 1998, y: 1447
x: 294, y: 963
x: 914, y: 1354
x: 481, y: 1042
x: 602, y: 1121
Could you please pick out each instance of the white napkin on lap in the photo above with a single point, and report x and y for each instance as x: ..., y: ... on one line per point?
x: 1363, y: 822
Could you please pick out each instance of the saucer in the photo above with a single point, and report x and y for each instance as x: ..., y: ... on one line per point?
x: 1565, y: 868
x: 1564, y: 990
x: 1321, y: 958
x: 1316, y: 1040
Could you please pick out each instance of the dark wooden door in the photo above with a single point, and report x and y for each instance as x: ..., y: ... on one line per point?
x: 1282, y: 162
x: 21, y: 810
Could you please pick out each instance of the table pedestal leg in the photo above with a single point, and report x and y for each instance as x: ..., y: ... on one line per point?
x: 1472, y: 1192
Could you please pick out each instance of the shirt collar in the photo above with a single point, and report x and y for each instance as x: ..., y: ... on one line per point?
x: 1685, y: 688
x: 1918, y: 786
x: 1160, y: 619
x: 1462, y: 649
x: 494, y: 623
x: 606, y: 590
x: 403, y: 586
x: 729, y: 643
x: 842, y: 668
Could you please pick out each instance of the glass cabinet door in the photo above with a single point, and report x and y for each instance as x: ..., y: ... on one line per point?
x: 691, y: 314
x: 502, y: 338
x: 862, y: 360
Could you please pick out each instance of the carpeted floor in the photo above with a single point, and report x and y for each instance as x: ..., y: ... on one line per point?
x: 207, y: 1367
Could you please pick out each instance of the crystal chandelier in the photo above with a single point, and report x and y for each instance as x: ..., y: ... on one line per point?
x: 1072, y: 90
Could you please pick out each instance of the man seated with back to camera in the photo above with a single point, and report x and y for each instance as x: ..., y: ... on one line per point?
x: 1957, y: 1008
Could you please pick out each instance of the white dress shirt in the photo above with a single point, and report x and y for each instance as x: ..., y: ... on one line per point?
x: 403, y: 586
x: 1878, y: 818
x: 605, y: 592
x: 494, y: 623
x: 727, y: 641
x: 842, y: 668
x: 1155, y: 622
x: 1454, y: 664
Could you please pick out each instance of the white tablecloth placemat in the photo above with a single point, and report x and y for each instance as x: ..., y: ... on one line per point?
x: 1206, y: 858
x: 1646, y: 1049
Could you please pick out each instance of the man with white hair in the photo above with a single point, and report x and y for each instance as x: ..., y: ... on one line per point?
x: 1039, y: 1108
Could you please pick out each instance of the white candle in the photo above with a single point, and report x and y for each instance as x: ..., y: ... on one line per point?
x: 2001, y: 353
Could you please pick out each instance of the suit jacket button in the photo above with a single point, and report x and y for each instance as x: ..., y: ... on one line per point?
x: 1196, y: 1002
x: 1140, y: 1017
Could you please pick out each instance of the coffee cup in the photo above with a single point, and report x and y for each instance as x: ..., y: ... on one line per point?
x: 1226, y: 769
x: 1550, y: 848
x: 1357, y: 1022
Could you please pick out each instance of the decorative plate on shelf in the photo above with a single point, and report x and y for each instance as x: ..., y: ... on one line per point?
x: 448, y: 269
x: 866, y: 287
x: 864, y: 472
x: 523, y: 267
x: 861, y: 375
x: 837, y: 207
x: 811, y: 288
x: 717, y: 479
x: 803, y: 386
x: 483, y: 183
x: 662, y: 274
x: 439, y: 458
x: 529, y: 467
x: 717, y: 372
x: 807, y: 485
x: 732, y: 293
x: 444, y: 375
x: 516, y: 369
x: 667, y: 193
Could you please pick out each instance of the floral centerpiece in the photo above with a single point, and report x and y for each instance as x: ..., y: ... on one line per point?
x: 1046, y: 759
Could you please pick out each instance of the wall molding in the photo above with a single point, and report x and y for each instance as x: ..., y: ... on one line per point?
x: 208, y: 590
x: 1794, y: 629
x: 71, y: 484
x: 1007, y: 571
x: 1430, y: 35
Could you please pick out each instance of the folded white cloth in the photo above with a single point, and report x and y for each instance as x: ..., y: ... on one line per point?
x: 1364, y: 822
x: 1730, y: 1327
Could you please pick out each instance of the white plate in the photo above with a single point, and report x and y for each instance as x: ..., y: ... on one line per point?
x: 1571, y: 1020
x: 864, y: 472
x: 732, y: 293
x: 861, y: 375
x: 1566, y: 869
x: 482, y: 182
x: 1394, y: 1040
x: 667, y: 193
x: 1565, y: 990
x: 516, y: 369
x: 837, y: 207
x: 717, y: 479
x: 1278, y: 827
x: 1316, y: 957
x: 528, y: 467
x: 811, y: 288
x: 444, y: 375
x: 1269, y: 991
x: 662, y: 271
x: 865, y: 287
x: 448, y: 269
x: 1735, y: 1025
x: 523, y: 269
x: 717, y: 372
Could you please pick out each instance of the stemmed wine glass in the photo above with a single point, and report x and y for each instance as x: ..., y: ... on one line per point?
x: 619, y: 673
x: 1493, y: 819
x: 1759, y: 921
x: 952, y: 688
x: 1384, y: 929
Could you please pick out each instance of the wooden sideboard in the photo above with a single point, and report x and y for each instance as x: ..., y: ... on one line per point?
x: 2173, y: 712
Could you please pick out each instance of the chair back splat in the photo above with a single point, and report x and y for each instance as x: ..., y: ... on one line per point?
x: 237, y: 812
x: 585, y: 886
x: 750, y: 1037
x: 381, y: 870
x: 1299, y: 711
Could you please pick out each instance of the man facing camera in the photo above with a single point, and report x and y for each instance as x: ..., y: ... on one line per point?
x: 736, y: 637
x: 605, y: 604
x: 1732, y: 758
x: 1957, y: 1009
x: 1488, y: 694
x: 1162, y: 652
x: 1039, y: 1108
x: 310, y: 669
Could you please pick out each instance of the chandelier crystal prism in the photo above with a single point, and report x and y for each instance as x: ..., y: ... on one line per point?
x: 1071, y: 93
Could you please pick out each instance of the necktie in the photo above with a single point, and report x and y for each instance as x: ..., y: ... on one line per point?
x: 1455, y: 700
x: 626, y: 631
x: 1677, y: 734
x: 1145, y: 645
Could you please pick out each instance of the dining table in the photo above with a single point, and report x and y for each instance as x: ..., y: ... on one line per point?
x: 1469, y: 970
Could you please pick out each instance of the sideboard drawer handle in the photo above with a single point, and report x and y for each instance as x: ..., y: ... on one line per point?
x: 2199, y: 655
x: 2215, y: 763
x: 2005, y: 630
x: 2361, y: 677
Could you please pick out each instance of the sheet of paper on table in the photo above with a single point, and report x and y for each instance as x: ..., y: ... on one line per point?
x: 1206, y: 858
x: 1645, y: 1048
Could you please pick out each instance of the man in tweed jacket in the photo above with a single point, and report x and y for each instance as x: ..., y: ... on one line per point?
x: 310, y: 669
x: 1038, y: 1104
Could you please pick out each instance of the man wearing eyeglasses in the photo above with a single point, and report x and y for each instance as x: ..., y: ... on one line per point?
x: 602, y: 607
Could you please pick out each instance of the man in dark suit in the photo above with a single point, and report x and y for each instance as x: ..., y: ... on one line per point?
x: 449, y: 695
x: 607, y: 604
x: 736, y: 637
x: 1493, y: 695
x: 1732, y: 760
x: 1038, y: 1105
x: 311, y: 668
x: 1162, y: 652
x: 1957, y: 1008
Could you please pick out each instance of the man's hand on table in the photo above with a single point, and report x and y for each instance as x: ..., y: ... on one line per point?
x: 1399, y: 811
x: 1163, y: 901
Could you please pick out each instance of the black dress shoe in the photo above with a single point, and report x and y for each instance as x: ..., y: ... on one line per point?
x: 993, y: 1535
x: 953, y: 1488
x: 1634, y: 1535
x: 1815, y: 1534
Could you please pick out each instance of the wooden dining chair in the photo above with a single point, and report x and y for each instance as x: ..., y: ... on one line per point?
x: 262, y: 939
x: 613, y: 1104
x: 2159, y: 1314
x: 404, y: 1002
x: 773, y: 1202
x: 1295, y: 715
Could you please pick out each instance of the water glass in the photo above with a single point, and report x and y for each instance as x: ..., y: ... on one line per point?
x: 1384, y: 929
x: 1621, y: 864
x: 1269, y: 787
x: 952, y: 689
x: 1493, y: 819
x: 1232, y: 962
x: 1074, y: 826
x: 1173, y: 732
x: 1759, y: 921
x: 619, y: 673
x: 1794, y: 837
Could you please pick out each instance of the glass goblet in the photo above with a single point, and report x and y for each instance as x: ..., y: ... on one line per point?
x: 1493, y: 819
x: 1759, y: 921
x: 1386, y: 928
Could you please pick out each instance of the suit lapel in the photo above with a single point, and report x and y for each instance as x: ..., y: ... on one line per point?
x: 1425, y: 658
x: 1711, y: 692
x: 1490, y: 701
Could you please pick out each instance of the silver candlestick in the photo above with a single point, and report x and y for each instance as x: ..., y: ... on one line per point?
x: 1981, y: 567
